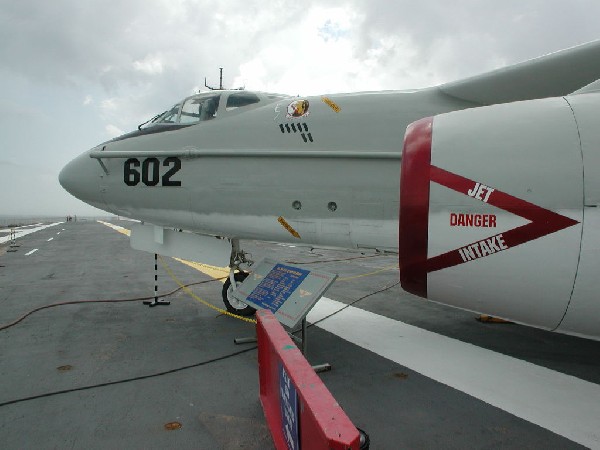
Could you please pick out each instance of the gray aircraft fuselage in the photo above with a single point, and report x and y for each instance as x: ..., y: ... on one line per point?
x: 332, y: 172
x: 314, y: 170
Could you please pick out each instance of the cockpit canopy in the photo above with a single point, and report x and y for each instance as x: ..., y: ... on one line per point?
x: 208, y: 106
x: 213, y: 105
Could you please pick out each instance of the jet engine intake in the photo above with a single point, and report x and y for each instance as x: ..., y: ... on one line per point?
x: 496, y: 215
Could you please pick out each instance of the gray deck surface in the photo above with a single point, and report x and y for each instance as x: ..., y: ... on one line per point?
x: 57, y: 366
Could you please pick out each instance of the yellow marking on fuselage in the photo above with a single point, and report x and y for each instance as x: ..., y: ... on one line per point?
x: 333, y: 105
x: 288, y: 227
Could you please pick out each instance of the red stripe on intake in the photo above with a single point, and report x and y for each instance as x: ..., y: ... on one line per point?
x: 414, y: 207
x: 543, y: 221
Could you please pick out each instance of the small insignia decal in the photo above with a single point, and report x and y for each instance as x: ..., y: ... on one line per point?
x: 297, y: 109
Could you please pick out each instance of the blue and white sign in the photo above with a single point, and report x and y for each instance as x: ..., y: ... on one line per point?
x: 288, y: 400
x: 286, y: 290
x: 277, y: 286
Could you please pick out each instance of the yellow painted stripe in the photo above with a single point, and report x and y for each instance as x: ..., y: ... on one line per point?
x: 394, y: 267
x: 121, y: 230
x: 220, y: 272
x: 195, y: 297
x: 211, y: 271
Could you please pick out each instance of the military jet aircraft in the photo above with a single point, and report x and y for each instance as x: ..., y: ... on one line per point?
x: 316, y: 171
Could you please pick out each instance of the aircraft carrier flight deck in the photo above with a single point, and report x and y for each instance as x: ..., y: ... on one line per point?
x: 118, y: 374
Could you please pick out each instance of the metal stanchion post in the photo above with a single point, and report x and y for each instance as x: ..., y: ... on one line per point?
x: 156, y: 301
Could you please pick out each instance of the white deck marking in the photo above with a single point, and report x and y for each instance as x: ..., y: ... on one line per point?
x: 561, y: 403
x: 31, y: 252
x: 20, y: 232
x: 21, y: 227
x: 50, y: 239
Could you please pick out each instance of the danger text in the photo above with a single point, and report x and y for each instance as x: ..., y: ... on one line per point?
x: 473, y: 220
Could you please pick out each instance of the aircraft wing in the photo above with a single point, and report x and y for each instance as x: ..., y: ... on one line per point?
x: 552, y: 75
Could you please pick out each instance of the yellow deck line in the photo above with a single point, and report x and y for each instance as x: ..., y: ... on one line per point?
x: 121, y: 230
x: 211, y: 271
x: 220, y: 272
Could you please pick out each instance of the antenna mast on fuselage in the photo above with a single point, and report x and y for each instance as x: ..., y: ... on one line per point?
x: 220, y: 88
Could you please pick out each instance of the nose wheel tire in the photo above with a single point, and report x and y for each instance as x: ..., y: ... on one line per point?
x: 235, y: 306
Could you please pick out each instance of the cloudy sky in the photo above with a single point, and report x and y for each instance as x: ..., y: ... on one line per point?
x: 75, y: 73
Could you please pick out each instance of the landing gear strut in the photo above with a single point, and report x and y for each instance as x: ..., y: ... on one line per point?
x: 236, y: 277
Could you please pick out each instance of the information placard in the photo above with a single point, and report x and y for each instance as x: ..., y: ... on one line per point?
x: 288, y: 291
x: 279, y: 284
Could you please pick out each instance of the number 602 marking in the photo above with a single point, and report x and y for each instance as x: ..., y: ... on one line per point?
x: 150, y: 173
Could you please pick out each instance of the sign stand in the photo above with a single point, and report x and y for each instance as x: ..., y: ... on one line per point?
x: 303, y: 341
x: 289, y: 292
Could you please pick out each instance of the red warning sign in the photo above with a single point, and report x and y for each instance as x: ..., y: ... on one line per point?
x: 542, y: 221
x: 417, y: 174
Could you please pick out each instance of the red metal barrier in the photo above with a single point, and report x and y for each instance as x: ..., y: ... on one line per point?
x: 300, y: 411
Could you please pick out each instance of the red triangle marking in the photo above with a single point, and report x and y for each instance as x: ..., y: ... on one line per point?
x: 543, y: 222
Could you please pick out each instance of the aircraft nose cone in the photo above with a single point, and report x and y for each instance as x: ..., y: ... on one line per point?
x: 81, y: 178
x: 70, y: 177
x: 66, y: 178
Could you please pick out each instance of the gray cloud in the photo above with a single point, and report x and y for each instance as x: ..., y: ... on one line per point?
x: 75, y: 71
x: 465, y: 37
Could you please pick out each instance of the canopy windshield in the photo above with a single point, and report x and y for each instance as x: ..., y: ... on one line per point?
x: 193, y: 109
x: 207, y: 106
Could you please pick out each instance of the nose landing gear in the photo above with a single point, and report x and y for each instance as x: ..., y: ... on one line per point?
x: 233, y: 305
x: 236, y: 277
